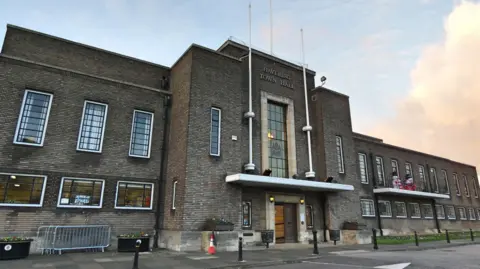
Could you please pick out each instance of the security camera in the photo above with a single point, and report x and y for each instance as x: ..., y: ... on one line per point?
x: 138, y: 242
x: 323, y: 79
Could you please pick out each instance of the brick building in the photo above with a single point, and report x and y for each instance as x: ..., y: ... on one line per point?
x: 93, y: 137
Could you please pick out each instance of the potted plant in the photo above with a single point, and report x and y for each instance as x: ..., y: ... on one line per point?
x: 14, y: 247
x: 126, y: 242
x: 218, y: 224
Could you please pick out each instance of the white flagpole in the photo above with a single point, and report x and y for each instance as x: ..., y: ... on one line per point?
x: 250, y: 166
x: 307, y: 128
x: 271, y: 28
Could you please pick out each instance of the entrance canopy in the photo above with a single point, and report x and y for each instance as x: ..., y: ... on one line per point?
x: 264, y: 181
x: 402, y: 192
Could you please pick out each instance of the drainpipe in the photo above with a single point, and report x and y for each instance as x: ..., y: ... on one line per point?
x: 375, y: 197
x: 437, y: 223
x: 434, y: 209
x: 163, y: 171
x: 323, y: 201
x: 250, y: 114
x: 307, y: 128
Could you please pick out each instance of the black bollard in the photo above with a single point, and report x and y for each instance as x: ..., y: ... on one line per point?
x: 315, y: 242
x: 471, y: 235
x: 374, y: 238
x: 416, y: 238
x: 448, y: 237
x: 240, y: 249
x: 137, y: 249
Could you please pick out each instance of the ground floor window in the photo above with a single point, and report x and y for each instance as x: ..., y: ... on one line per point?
x: 462, y: 213
x: 22, y: 190
x: 309, y: 216
x: 401, y: 209
x: 247, y: 214
x: 471, y: 214
x: 440, y: 211
x: 450, y: 212
x: 367, y: 207
x: 414, y: 209
x: 478, y: 213
x: 427, y: 211
x: 384, y: 208
x: 134, y: 195
x: 81, y: 192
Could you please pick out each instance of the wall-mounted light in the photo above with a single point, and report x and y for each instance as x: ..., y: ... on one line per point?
x: 272, y: 199
x: 13, y: 177
x: 302, y: 201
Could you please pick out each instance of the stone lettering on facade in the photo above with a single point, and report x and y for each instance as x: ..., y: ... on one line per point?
x: 271, y: 75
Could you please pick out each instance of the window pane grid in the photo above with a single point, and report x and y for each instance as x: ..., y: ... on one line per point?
x: 462, y: 213
x: 451, y: 212
x: 401, y: 210
x: 427, y: 211
x: 21, y: 190
x: 440, y: 211
x: 215, y: 132
x: 33, y: 118
x: 415, y: 210
x: 277, y: 146
x: 91, y: 134
x: 421, y: 172
x: 81, y: 192
x: 457, y: 184
x: 471, y: 214
x: 339, y: 147
x: 134, y: 195
x: 380, y: 171
x: 362, y: 161
x: 384, y: 208
x: 367, y: 208
x: 141, y: 134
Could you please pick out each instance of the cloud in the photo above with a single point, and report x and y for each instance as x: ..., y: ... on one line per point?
x: 440, y: 115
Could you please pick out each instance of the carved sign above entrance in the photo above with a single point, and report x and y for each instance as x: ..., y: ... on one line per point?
x: 272, y: 75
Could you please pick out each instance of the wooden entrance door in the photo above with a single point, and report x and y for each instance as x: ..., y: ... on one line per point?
x: 285, y: 223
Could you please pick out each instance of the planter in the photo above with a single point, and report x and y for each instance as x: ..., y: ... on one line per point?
x: 14, y: 250
x: 213, y: 226
x: 127, y: 244
x: 353, y: 226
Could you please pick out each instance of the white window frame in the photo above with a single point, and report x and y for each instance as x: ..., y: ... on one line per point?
x: 445, y: 174
x: 363, y: 155
x: 396, y: 212
x: 249, y: 214
x: 84, y: 179
x: 475, y: 190
x: 443, y: 210
x: 219, y: 130
x: 19, y: 120
x: 27, y: 205
x: 478, y: 213
x: 407, y: 164
x: 389, y: 208
x: 421, y: 172
x: 174, y: 194
x: 382, y: 170
x: 453, y: 210
x: 467, y: 188
x: 104, y: 124
x: 457, y: 184
x: 417, y: 205
x: 135, y: 208
x: 373, y: 207
x: 434, y: 172
x: 339, y: 143
x: 398, y: 168
x: 150, y: 135
x: 470, y: 210
x: 464, y: 211
x: 424, y: 214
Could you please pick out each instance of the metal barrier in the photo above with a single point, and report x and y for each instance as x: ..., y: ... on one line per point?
x: 51, y: 239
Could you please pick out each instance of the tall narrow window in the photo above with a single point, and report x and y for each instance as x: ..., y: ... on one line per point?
x: 465, y: 183
x: 309, y: 216
x: 134, y: 195
x: 141, y: 137
x: 215, y: 128
x: 395, y: 168
x: 475, y: 191
x: 81, y: 192
x: 33, y: 118
x: 362, y: 162
x: 433, y: 172
x: 340, y: 161
x: 423, y: 180
x: 457, y: 185
x: 408, y: 169
x: 277, y: 134
x: 445, y: 181
x: 247, y: 214
x: 22, y: 190
x: 380, y: 171
x: 92, y: 127
x: 174, y: 194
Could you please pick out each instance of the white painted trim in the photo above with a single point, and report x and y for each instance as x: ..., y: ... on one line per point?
x: 446, y: 212
x: 366, y: 167
x: 60, y: 191
x: 467, y: 188
x: 174, y: 194
x: 389, y: 205
x: 443, y: 209
x: 150, y: 135
x: 474, y: 214
x: 445, y: 174
x: 28, y: 205
x: 419, y: 211
x: 219, y: 130
x: 19, y: 120
x: 460, y: 215
x: 255, y: 180
x: 104, y: 126
x: 341, y: 154
x: 135, y: 208
x: 373, y: 205
x: 383, y: 169
x: 424, y: 215
x: 394, y: 191
x: 406, y: 210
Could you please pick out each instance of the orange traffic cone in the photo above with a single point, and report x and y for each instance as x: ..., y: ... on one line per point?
x: 211, y: 248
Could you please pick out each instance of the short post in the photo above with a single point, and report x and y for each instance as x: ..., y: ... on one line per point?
x: 137, y: 249
x: 448, y: 237
x: 416, y: 238
x: 315, y: 242
x: 471, y: 235
x: 374, y: 238
x: 240, y: 249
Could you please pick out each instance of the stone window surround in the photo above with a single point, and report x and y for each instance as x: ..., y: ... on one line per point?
x: 291, y: 147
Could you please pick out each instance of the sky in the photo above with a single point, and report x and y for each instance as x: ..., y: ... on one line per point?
x: 410, y: 67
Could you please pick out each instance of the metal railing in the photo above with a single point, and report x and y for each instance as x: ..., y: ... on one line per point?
x: 52, y: 239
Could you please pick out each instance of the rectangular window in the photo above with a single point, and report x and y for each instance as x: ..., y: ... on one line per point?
x: 395, y: 168
x: 414, y: 209
x: 22, y: 190
x: 462, y: 213
x: 457, y: 185
x: 92, y: 127
x: 33, y: 118
x: 471, y: 214
x: 465, y: 182
x: 362, y: 162
x: 421, y: 172
x: 440, y: 211
x: 134, y: 195
x: 446, y: 189
x: 215, y: 128
x: 174, y: 194
x: 380, y: 171
x: 277, y: 134
x: 367, y: 206
x: 450, y: 212
x: 433, y: 172
x: 408, y: 169
x: 401, y: 209
x: 309, y: 216
x: 475, y: 191
x: 340, y: 162
x: 427, y: 211
x: 247, y: 214
x: 478, y: 213
x: 141, y: 136
x: 81, y: 192
x: 384, y: 208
